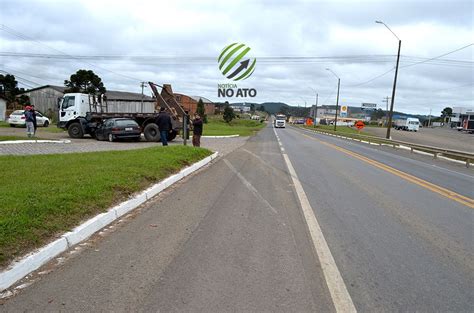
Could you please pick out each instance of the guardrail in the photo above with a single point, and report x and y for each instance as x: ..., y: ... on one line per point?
x: 436, y: 151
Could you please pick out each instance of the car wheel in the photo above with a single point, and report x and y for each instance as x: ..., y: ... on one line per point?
x: 45, y: 124
x: 111, y: 138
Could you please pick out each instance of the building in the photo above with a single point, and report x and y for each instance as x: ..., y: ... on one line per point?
x: 189, y: 103
x: 463, y: 117
x: 3, y: 109
x: 46, y: 99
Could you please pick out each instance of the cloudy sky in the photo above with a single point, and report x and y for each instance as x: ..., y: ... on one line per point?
x: 178, y: 42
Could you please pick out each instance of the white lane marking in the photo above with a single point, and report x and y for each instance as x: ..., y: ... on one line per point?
x: 249, y: 186
x: 337, y: 288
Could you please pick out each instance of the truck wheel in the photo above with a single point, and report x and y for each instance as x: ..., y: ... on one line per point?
x: 75, y: 130
x: 172, y: 135
x: 151, y: 132
x: 111, y: 137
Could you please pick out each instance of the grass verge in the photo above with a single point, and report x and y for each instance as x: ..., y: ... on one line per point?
x: 42, y: 196
x: 216, y: 126
x: 5, y: 138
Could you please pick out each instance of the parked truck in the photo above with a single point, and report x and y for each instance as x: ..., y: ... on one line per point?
x: 410, y: 124
x: 81, y: 114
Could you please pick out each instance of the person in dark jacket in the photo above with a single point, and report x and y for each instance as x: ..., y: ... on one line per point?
x: 34, y: 118
x: 197, y: 130
x: 30, y: 120
x: 164, y: 125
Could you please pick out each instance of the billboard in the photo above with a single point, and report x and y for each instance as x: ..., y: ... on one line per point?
x: 368, y: 106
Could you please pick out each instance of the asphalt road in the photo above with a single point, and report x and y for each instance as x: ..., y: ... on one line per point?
x: 233, y: 237
x: 398, y: 245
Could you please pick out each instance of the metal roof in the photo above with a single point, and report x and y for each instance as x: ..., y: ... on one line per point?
x: 110, y: 94
x: 196, y: 98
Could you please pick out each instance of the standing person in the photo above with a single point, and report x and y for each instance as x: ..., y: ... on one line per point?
x: 197, y: 130
x: 164, y: 125
x: 29, y: 121
x: 35, y: 125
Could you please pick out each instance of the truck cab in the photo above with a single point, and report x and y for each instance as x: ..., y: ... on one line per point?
x: 280, y: 121
x: 71, y: 107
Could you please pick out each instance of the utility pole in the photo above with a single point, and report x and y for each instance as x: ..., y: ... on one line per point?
x: 337, y: 99
x: 429, y: 119
x: 337, y: 102
x: 316, y: 110
x: 389, y: 126
x: 142, y: 84
x: 386, y: 109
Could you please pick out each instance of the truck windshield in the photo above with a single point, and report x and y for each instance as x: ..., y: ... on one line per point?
x: 68, y: 101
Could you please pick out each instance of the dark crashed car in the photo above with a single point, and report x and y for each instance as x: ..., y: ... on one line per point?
x: 118, y: 128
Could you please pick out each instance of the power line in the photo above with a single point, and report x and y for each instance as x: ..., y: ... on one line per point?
x: 427, y: 60
x: 439, y: 56
x: 25, y: 37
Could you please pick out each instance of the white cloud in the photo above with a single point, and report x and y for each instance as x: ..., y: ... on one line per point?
x: 199, y: 30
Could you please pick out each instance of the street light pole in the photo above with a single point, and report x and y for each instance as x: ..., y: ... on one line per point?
x: 389, y: 124
x: 337, y: 99
x: 315, y: 112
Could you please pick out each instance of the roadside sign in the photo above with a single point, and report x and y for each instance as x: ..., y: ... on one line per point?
x: 359, y: 125
x: 368, y: 106
x: 343, y: 112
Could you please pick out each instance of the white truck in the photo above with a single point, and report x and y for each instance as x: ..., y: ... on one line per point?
x: 409, y: 124
x: 279, y: 121
x: 82, y: 114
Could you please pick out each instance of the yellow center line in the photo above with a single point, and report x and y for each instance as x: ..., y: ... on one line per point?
x: 418, y: 181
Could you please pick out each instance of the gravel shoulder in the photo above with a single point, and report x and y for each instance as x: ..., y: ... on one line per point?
x: 438, y: 137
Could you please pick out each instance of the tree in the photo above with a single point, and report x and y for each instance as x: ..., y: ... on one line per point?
x: 252, y: 107
x: 201, y: 111
x: 9, y: 87
x: 377, y: 114
x: 229, y: 114
x: 85, y: 81
x: 261, y: 108
x: 23, y: 100
x: 447, y: 112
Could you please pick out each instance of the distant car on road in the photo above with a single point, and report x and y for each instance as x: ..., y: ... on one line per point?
x: 118, y: 128
x: 17, y: 118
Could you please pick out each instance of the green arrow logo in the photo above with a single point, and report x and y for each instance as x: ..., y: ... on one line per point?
x: 233, y: 62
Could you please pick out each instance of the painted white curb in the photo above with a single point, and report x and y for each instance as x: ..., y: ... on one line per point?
x: 34, y: 141
x: 18, y: 270
x: 229, y: 136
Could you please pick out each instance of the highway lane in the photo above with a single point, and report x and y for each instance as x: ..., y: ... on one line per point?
x: 399, y: 246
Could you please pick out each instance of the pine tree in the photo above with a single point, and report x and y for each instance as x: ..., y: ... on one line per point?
x: 201, y: 111
x: 228, y: 114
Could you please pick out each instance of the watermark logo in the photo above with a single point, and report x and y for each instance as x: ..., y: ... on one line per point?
x: 234, y: 63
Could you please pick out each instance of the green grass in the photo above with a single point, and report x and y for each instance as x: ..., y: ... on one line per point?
x: 348, y: 132
x: 4, y: 124
x: 43, y: 196
x: 340, y: 129
x: 217, y: 127
x: 51, y: 129
x: 5, y: 138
